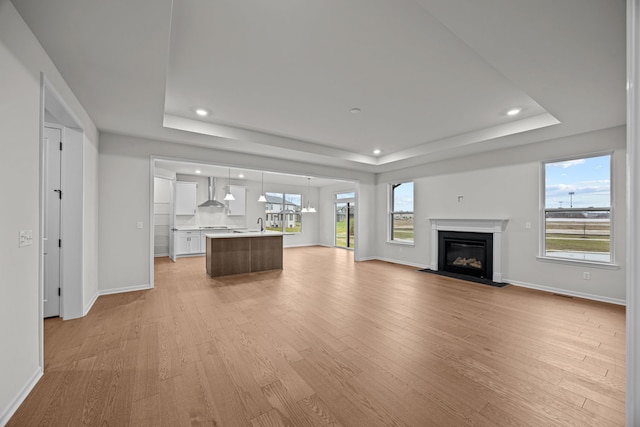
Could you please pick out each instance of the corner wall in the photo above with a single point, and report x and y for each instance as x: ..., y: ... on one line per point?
x: 506, y: 184
x: 90, y: 224
x: 326, y: 212
x: 23, y: 59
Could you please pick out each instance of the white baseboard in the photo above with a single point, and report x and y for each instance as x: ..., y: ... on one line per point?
x: 161, y: 255
x: 93, y: 301
x: 566, y: 292
x: 516, y: 283
x: 191, y: 255
x: 300, y: 246
x: 395, y: 261
x: 324, y: 245
x: 125, y: 289
x: 8, y: 412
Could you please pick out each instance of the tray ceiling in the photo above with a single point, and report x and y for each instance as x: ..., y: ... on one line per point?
x: 432, y: 79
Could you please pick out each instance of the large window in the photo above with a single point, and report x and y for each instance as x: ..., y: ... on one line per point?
x: 282, y: 212
x: 401, y: 212
x: 577, y: 209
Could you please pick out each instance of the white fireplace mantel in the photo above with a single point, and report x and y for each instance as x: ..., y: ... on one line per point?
x: 471, y: 225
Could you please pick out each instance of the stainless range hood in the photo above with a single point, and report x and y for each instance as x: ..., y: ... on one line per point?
x: 212, y: 202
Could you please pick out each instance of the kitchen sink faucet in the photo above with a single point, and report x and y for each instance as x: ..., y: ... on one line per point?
x: 261, y: 222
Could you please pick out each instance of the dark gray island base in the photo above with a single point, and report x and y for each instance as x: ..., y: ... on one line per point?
x: 243, y: 253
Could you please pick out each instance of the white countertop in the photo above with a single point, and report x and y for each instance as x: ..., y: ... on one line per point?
x: 245, y: 234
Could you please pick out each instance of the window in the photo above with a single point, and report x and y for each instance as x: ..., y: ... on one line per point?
x: 349, y: 195
x: 401, y: 213
x: 577, y: 209
x: 282, y: 212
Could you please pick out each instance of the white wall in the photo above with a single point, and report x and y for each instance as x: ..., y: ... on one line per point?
x: 367, y: 228
x: 90, y: 223
x: 506, y: 184
x: 23, y: 59
x: 326, y: 211
x: 124, y: 200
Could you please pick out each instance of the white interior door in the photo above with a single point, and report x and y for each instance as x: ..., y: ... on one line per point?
x: 51, y: 232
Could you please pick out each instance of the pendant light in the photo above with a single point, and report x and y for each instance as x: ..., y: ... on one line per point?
x: 229, y: 196
x: 262, y: 198
x: 308, y: 208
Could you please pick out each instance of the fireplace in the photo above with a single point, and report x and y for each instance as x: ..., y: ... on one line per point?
x: 469, y: 254
x: 486, y: 236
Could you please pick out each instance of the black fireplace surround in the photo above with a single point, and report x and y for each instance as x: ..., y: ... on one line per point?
x: 469, y: 254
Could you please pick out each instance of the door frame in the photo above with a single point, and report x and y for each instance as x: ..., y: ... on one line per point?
x: 54, y: 112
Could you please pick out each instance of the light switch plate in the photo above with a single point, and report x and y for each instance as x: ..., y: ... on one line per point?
x: 26, y: 237
x: 140, y: 224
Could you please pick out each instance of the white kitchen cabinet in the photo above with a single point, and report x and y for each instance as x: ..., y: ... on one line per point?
x: 203, y: 241
x: 195, y: 247
x: 161, y: 190
x: 188, y: 242
x: 239, y: 205
x: 185, y: 195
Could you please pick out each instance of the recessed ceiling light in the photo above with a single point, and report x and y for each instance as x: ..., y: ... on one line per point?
x: 355, y: 110
x: 198, y: 171
x: 377, y: 151
x: 202, y: 112
x: 240, y: 175
x: 514, y: 111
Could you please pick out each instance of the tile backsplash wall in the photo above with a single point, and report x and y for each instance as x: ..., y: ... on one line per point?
x: 208, y: 216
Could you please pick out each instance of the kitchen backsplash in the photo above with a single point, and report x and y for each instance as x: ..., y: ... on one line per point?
x: 210, y: 216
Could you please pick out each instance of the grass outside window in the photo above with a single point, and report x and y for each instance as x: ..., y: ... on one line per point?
x: 401, y: 221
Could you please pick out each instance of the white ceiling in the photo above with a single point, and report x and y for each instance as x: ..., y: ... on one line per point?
x: 433, y: 78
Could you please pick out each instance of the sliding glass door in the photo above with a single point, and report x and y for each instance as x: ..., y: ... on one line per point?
x: 345, y: 209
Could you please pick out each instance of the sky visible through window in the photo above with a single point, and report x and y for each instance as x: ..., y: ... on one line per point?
x: 295, y: 199
x: 346, y: 195
x: 589, y: 179
x: 403, y: 198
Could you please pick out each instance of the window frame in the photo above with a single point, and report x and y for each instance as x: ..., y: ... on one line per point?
x: 390, y: 213
x: 282, y: 213
x: 542, y: 252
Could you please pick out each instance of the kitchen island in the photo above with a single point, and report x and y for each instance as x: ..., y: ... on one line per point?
x: 247, y: 252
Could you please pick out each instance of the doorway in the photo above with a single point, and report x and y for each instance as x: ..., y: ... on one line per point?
x: 163, y: 217
x: 345, y: 210
x: 62, y: 204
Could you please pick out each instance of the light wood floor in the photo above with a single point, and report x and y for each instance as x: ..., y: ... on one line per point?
x: 328, y: 341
